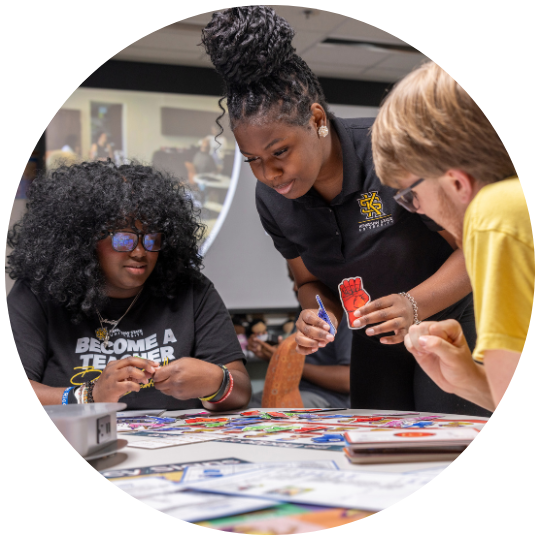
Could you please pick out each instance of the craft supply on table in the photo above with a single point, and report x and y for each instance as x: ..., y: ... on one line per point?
x: 146, y: 418
x: 171, y: 471
x: 317, y: 482
x: 146, y: 412
x: 400, y: 446
x: 153, y: 441
x: 286, y: 519
x: 279, y: 428
x: 328, y: 438
x: 137, y: 426
x: 197, y: 473
x: 170, y: 498
x: 352, y: 489
x: 322, y: 314
x: 285, y: 484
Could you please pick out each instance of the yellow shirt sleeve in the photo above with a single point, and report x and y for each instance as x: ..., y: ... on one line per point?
x: 500, y: 263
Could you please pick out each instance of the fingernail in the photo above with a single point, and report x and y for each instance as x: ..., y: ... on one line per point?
x: 326, y: 327
x: 357, y: 313
x: 423, y: 341
x: 356, y: 323
x: 329, y: 337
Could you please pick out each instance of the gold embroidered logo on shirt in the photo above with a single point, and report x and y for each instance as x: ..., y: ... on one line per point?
x: 371, y: 209
x: 370, y: 204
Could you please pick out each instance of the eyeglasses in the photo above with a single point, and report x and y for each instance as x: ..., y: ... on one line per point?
x: 128, y: 241
x: 407, y: 197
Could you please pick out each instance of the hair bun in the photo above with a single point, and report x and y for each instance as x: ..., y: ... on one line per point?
x: 248, y: 43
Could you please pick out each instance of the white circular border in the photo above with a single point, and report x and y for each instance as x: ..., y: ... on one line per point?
x: 489, y: 47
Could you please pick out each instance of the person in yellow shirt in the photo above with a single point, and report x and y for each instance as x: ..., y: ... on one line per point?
x: 434, y: 144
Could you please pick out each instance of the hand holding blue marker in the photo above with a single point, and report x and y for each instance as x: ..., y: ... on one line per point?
x: 324, y: 316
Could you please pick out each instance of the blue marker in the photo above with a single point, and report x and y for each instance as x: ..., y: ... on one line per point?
x: 324, y: 316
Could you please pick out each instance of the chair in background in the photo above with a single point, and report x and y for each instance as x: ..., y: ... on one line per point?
x: 283, y: 377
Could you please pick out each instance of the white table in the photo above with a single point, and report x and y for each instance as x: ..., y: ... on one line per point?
x: 136, y: 457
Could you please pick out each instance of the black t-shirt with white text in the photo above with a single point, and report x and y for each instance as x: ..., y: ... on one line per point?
x: 58, y: 353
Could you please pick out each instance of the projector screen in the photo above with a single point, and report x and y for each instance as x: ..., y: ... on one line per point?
x: 176, y: 133
x: 173, y: 132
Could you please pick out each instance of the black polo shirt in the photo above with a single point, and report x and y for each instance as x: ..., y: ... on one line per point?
x: 361, y: 232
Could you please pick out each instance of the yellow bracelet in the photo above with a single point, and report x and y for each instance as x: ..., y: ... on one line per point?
x: 208, y: 398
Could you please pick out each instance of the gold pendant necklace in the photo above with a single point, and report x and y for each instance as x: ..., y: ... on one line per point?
x: 103, y: 333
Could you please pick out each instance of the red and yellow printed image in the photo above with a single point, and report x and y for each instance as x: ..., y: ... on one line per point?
x: 353, y: 296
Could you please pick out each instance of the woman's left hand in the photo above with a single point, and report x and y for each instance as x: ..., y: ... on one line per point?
x: 188, y: 378
x: 396, y: 314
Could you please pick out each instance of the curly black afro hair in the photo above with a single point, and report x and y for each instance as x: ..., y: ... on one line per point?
x: 71, y: 208
x: 251, y: 48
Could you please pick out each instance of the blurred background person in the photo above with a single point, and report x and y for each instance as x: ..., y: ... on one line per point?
x: 218, y: 146
x: 101, y: 149
x: 202, y: 161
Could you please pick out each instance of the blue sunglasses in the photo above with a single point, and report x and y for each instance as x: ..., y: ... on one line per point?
x: 128, y: 241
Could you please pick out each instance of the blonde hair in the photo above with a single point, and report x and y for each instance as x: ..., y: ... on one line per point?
x: 428, y: 124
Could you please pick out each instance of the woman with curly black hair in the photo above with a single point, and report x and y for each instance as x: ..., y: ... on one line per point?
x: 344, y: 235
x: 109, y: 285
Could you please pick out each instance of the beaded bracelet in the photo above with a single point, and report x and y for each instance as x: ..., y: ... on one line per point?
x: 228, y: 393
x: 83, y: 394
x: 90, y: 390
x: 78, y: 394
x: 414, y: 306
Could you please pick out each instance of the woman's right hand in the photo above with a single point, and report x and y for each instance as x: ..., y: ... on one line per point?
x: 121, y: 377
x: 312, y: 332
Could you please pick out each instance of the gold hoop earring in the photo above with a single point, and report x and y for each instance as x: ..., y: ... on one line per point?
x: 322, y: 131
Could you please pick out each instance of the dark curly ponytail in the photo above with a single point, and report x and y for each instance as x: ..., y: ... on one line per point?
x: 251, y: 48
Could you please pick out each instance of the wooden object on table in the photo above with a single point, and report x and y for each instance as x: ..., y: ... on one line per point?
x: 283, y: 377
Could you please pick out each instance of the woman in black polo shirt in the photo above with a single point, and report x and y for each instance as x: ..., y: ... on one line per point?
x: 328, y: 214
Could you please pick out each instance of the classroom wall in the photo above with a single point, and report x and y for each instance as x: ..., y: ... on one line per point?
x: 142, y: 119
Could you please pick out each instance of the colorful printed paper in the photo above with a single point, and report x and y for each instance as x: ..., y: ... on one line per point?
x: 351, y: 489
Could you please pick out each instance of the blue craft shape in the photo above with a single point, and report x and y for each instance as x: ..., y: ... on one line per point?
x: 329, y: 437
x: 324, y: 316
